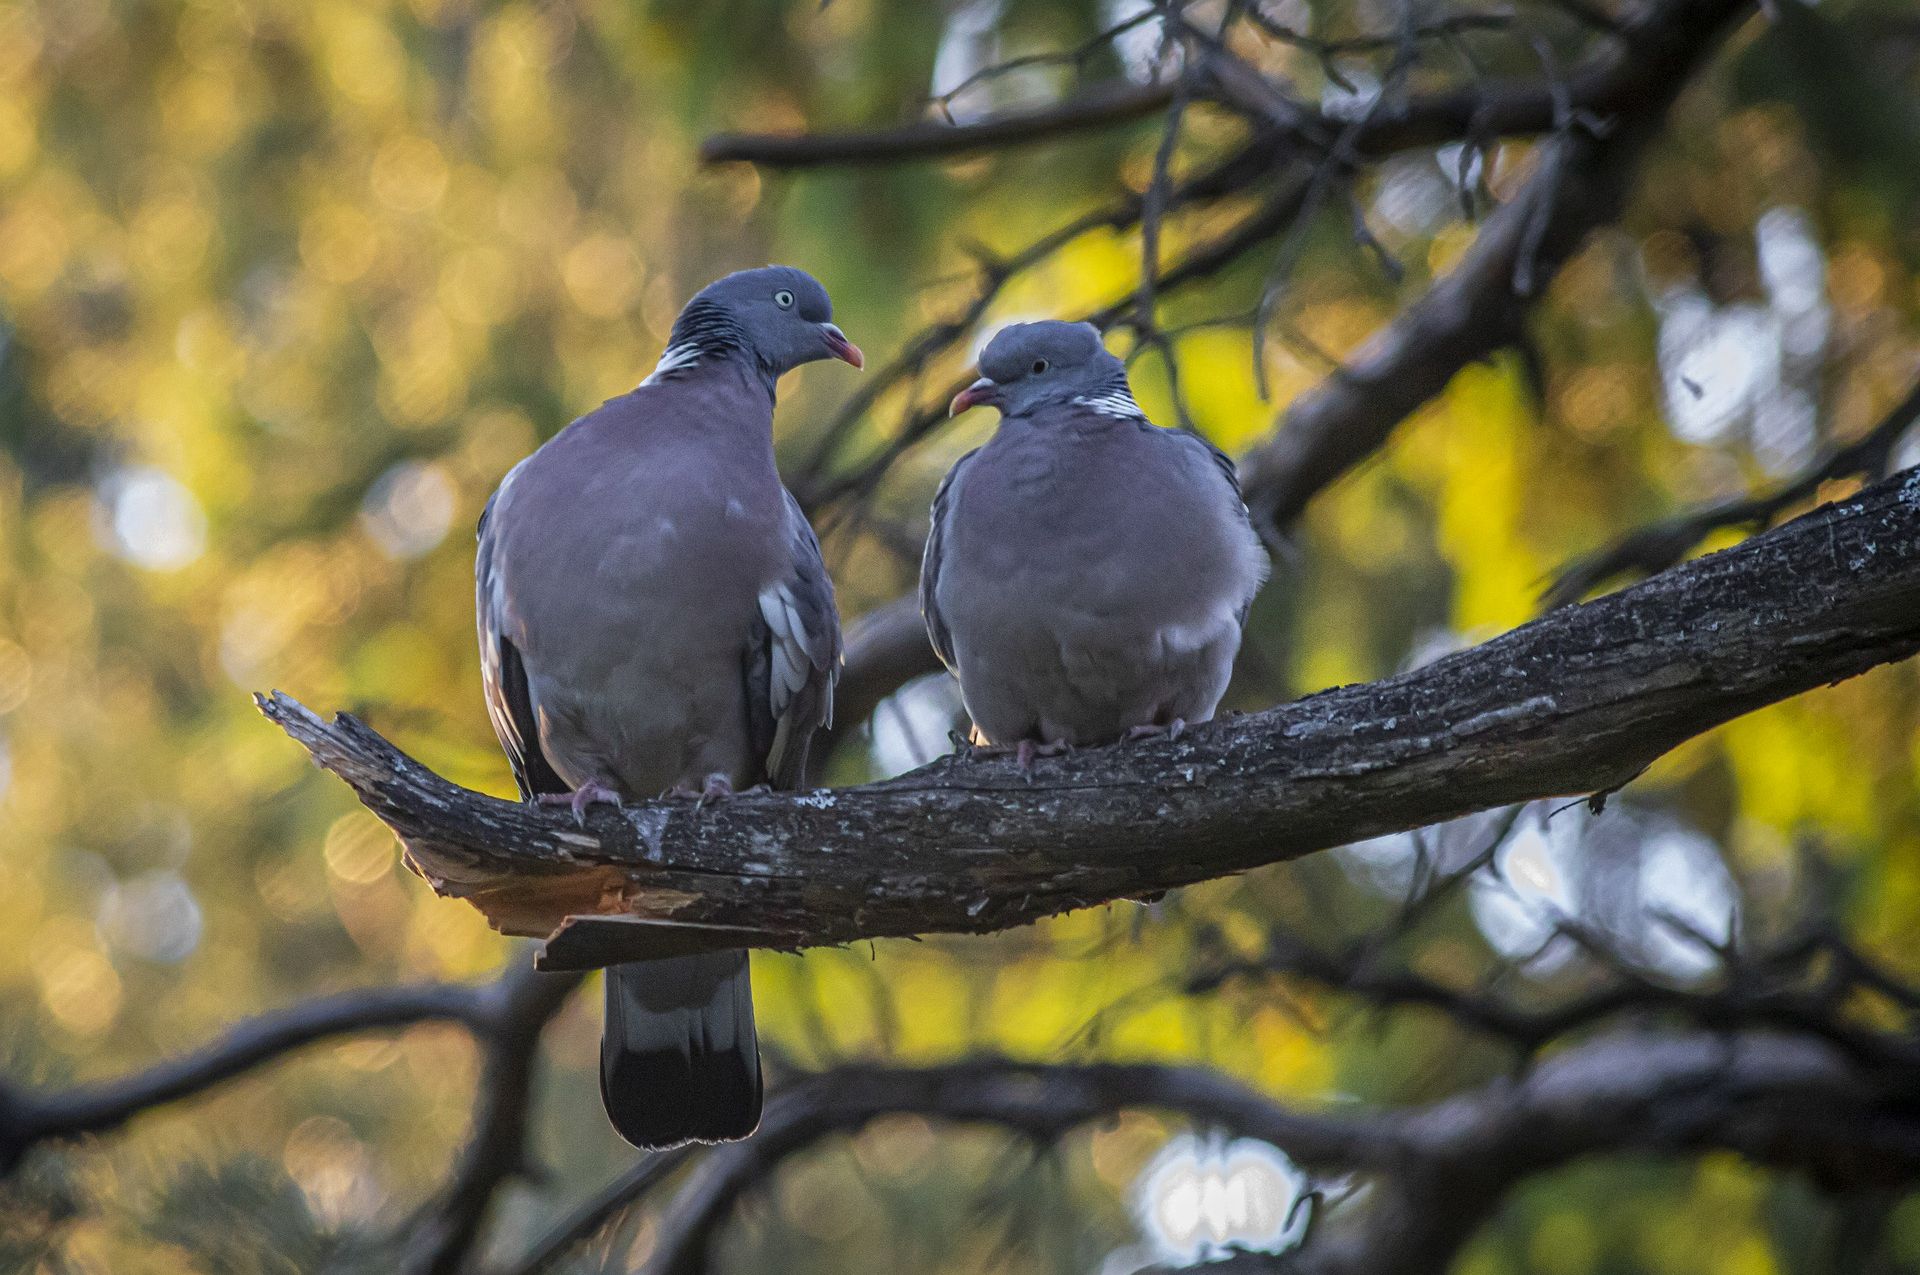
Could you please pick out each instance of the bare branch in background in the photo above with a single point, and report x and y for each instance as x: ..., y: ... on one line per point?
x: 1481, y: 306
x: 441, y: 1235
x: 1099, y: 107
x: 580, y: 1226
x: 1803, y: 985
x: 1662, y: 544
x: 506, y: 1018
x: 1285, y: 134
x: 28, y: 1118
x: 1437, y: 1172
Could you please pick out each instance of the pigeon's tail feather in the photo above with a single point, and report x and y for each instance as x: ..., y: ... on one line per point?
x: 679, y: 1060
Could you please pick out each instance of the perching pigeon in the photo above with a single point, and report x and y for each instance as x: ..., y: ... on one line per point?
x: 1088, y: 572
x: 654, y: 615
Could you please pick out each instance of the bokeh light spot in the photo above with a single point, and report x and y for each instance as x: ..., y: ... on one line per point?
x: 149, y: 518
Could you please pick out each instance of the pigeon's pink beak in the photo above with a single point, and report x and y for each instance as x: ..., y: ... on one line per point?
x: 980, y: 392
x: 841, y: 348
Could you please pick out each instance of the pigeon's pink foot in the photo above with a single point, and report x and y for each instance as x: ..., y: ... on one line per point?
x: 1171, y: 731
x: 1027, y: 749
x: 716, y: 787
x: 592, y: 793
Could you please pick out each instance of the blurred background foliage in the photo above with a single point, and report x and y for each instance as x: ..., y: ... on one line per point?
x: 287, y: 285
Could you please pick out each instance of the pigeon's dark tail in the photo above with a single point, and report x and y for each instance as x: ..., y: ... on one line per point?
x: 679, y: 1059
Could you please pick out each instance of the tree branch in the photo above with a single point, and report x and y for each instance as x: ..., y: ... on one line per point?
x: 1438, y: 1172
x: 27, y: 1118
x: 1801, y: 985
x: 1465, y: 317
x: 1482, y: 305
x: 1099, y: 107
x: 1659, y: 545
x: 1576, y: 702
x: 1283, y: 124
x: 585, y: 1222
x: 1037, y: 1101
x: 443, y: 1232
x: 506, y: 1018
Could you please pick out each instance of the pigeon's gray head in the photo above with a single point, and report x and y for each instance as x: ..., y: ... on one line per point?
x: 778, y: 316
x: 1030, y: 365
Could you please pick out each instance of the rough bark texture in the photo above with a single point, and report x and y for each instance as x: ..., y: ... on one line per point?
x: 1576, y: 702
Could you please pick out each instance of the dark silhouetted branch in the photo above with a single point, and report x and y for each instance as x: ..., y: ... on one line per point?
x: 1039, y: 1102
x: 1803, y: 985
x: 1284, y: 126
x: 1470, y: 314
x: 1632, y: 81
x: 1482, y: 305
x: 586, y: 1221
x: 1100, y: 107
x: 27, y: 1118
x: 1576, y: 702
x: 1437, y: 1172
x: 1660, y: 545
x: 506, y: 1018
x: 442, y: 1234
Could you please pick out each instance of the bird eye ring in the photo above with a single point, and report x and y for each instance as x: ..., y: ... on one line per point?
x: 1039, y: 366
x: 783, y: 299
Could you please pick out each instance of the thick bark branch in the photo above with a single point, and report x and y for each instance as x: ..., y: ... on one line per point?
x: 1577, y: 702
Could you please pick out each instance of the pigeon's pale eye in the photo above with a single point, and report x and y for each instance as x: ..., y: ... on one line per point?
x: 1039, y: 366
x: 783, y: 299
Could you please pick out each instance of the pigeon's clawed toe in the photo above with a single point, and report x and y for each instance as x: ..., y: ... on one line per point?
x: 716, y: 787
x: 588, y: 794
x: 1171, y: 731
x: 1027, y: 749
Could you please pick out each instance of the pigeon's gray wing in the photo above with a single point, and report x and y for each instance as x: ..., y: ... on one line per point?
x: 504, y: 679
x: 793, y: 657
x: 1221, y: 461
x: 931, y: 562
x: 1231, y: 472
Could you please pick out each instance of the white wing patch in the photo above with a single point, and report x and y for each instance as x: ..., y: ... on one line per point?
x: 790, y: 666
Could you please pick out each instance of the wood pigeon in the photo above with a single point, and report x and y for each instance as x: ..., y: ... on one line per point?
x: 655, y: 617
x: 1088, y: 572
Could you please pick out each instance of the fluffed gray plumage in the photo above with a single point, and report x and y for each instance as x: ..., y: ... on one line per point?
x: 1088, y: 572
x: 654, y: 615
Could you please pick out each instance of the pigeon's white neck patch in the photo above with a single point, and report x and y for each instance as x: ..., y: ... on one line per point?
x: 705, y: 332
x: 675, y: 358
x: 1112, y: 402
